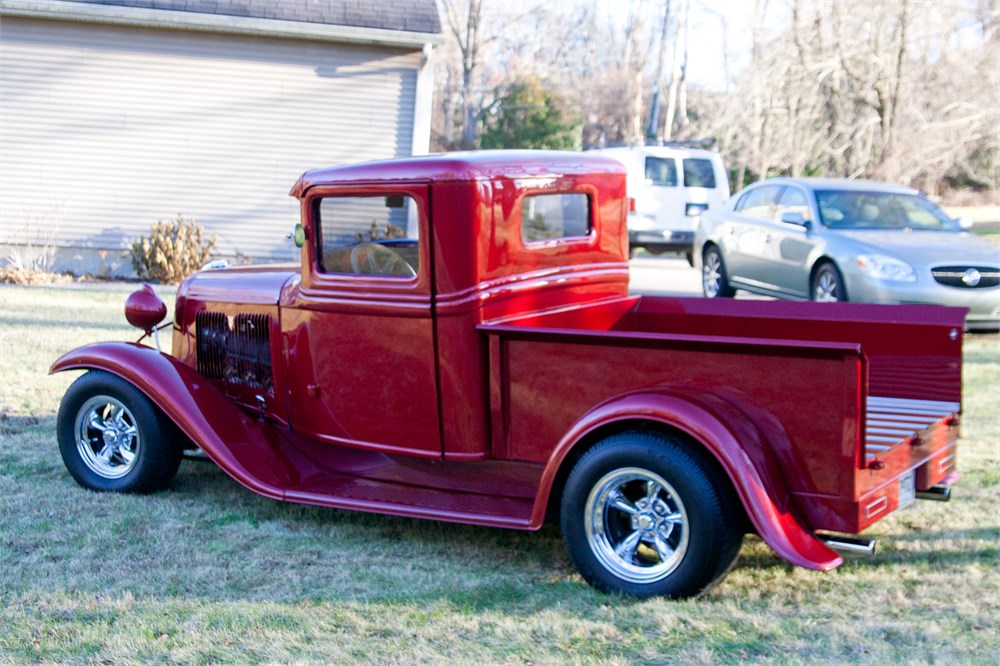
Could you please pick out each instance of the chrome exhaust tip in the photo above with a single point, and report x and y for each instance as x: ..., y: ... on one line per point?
x: 936, y: 493
x: 849, y: 545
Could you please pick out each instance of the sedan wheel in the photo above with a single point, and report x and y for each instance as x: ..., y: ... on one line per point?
x: 827, y: 285
x: 714, y: 282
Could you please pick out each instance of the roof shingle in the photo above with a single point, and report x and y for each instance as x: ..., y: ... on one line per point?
x: 403, y: 15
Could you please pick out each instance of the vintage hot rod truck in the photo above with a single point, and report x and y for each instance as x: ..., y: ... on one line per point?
x: 459, y: 343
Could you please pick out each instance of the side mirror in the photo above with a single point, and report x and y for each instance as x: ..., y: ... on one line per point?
x: 299, y: 235
x: 964, y: 222
x: 796, y: 218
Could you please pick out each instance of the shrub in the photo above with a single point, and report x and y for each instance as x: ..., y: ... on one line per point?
x: 172, y: 251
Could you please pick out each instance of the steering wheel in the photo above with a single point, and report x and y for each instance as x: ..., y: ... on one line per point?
x: 377, y: 259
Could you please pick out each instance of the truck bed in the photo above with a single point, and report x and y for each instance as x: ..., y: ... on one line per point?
x: 848, y: 409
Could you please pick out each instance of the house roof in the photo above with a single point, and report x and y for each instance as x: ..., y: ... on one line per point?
x: 402, y: 15
x: 408, y: 24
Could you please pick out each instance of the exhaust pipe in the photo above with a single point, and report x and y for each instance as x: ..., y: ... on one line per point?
x: 849, y: 545
x: 936, y: 493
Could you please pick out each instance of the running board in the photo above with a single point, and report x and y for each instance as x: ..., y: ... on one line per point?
x: 935, y: 493
x: 849, y: 545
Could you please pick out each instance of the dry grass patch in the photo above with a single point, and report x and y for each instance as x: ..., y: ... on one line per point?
x: 208, y: 572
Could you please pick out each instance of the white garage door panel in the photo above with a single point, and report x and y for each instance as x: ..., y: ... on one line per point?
x: 107, y: 129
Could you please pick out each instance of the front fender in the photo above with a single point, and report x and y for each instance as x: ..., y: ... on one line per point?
x: 238, y: 443
x: 734, y: 441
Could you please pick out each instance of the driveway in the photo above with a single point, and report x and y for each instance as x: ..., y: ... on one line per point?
x: 663, y: 276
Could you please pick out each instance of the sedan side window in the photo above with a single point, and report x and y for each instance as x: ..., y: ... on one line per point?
x: 793, y: 200
x: 760, y: 203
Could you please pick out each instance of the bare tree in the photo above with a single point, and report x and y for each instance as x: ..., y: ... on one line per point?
x: 464, y: 23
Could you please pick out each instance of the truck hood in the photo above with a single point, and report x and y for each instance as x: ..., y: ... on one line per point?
x: 241, y: 284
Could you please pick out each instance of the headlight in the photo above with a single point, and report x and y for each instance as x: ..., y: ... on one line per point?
x: 881, y: 267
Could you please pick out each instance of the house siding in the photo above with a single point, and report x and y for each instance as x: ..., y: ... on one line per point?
x: 108, y: 128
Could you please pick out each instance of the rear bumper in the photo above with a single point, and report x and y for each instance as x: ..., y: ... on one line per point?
x: 853, y: 516
x: 662, y: 241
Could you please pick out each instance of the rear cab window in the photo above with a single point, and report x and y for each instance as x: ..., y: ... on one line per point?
x: 550, y: 217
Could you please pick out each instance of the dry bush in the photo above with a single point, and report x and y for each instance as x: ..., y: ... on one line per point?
x: 172, y: 251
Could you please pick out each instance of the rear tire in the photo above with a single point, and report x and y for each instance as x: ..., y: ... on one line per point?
x: 643, y: 515
x: 714, y: 279
x: 112, y: 438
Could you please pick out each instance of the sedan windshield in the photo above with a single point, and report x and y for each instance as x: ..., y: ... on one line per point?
x: 839, y: 209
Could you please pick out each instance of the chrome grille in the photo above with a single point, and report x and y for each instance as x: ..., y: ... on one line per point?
x: 235, y: 349
x: 967, y: 277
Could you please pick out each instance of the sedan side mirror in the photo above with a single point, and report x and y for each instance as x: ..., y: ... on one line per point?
x: 964, y: 222
x: 795, y: 217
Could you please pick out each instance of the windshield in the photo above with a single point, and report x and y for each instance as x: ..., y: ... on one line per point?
x: 881, y: 210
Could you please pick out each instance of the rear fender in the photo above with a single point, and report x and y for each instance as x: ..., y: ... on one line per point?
x: 735, y: 442
x: 211, y: 420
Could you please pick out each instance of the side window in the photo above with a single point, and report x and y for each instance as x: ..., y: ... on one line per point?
x: 698, y: 173
x: 793, y: 200
x: 551, y: 216
x: 759, y: 203
x: 368, y: 235
x: 661, y: 171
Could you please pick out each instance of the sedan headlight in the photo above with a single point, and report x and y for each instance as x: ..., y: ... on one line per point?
x: 882, y: 267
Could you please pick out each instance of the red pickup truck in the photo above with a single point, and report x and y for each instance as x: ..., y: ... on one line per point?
x: 459, y: 343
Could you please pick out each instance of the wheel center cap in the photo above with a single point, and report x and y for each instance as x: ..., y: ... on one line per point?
x: 645, y: 522
x: 110, y: 437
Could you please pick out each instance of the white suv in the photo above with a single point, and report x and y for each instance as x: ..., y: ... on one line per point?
x: 668, y: 188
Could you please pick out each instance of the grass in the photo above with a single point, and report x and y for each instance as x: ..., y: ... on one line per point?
x: 207, y: 572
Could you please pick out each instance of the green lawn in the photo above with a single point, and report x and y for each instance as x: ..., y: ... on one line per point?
x: 208, y: 572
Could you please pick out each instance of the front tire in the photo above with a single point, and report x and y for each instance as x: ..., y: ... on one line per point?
x: 112, y: 438
x: 643, y: 515
x: 828, y: 285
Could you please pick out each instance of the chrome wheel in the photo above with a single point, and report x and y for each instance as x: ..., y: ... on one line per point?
x: 826, y: 286
x: 107, y: 437
x: 636, y: 525
x: 714, y: 281
x: 710, y: 275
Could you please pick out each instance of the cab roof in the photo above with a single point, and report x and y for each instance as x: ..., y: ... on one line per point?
x: 463, y: 166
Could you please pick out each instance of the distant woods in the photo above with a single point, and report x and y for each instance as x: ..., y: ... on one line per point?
x: 899, y: 90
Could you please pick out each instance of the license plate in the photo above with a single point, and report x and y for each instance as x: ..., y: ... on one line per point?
x: 907, y: 489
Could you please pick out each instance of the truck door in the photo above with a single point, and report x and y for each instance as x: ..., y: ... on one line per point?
x: 359, y: 334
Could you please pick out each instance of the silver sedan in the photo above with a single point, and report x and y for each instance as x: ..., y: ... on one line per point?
x: 839, y: 240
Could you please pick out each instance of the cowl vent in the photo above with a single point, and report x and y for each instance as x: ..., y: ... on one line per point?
x: 235, y: 349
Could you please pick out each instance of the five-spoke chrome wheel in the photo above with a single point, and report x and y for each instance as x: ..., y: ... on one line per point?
x: 636, y: 525
x: 648, y: 513
x: 113, y: 438
x: 107, y: 437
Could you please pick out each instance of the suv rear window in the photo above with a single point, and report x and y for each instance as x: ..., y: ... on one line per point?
x: 698, y: 173
x: 662, y: 171
x: 551, y: 216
